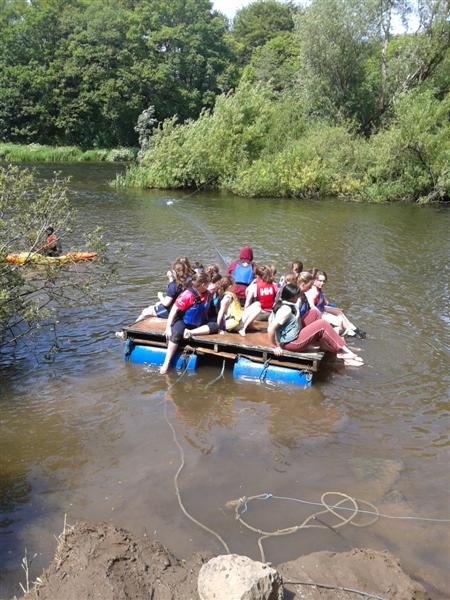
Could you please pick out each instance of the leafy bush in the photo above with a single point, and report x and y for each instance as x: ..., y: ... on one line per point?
x: 257, y: 143
x: 410, y: 159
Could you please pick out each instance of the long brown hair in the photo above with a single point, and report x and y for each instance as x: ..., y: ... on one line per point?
x: 223, y: 285
x: 199, y: 279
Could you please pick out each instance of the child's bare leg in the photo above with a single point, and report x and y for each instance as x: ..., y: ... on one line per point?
x: 249, y: 315
x: 202, y: 330
x: 171, y: 349
x: 347, y: 325
x: 147, y: 312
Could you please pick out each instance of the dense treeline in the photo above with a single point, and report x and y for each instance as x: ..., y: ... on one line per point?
x: 81, y: 71
x: 344, y: 97
x: 336, y: 104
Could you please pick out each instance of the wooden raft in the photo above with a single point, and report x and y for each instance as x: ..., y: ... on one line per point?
x: 254, y: 346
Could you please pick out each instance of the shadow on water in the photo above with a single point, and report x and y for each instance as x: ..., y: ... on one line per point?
x: 85, y: 433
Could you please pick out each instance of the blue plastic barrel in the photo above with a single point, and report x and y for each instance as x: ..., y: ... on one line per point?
x: 244, y: 367
x: 153, y: 355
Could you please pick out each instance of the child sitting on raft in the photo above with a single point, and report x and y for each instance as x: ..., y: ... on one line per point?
x: 179, y: 277
x: 331, y: 313
x: 287, y: 330
x: 231, y: 315
x: 185, y: 261
x: 260, y: 296
x: 189, y: 315
x: 243, y: 272
x: 295, y: 267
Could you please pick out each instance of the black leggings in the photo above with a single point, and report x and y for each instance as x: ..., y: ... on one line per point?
x: 179, y: 326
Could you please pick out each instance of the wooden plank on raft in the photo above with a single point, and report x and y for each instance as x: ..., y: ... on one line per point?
x: 254, y: 346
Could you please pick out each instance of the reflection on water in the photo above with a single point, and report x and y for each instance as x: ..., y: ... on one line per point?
x: 86, y: 434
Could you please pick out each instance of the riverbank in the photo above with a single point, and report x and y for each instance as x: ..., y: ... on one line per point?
x: 94, y: 560
x: 42, y: 153
x: 255, y: 145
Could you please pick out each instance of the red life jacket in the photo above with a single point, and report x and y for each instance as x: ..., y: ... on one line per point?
x: 266, y: 294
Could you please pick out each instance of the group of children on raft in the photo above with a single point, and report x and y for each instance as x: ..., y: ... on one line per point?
x: 200, y: 301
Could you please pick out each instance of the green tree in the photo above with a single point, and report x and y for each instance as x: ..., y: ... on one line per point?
x: 276, y: 63
x: 256, y: 24
x: 334, y: 45
x: 353, y: 66
x: 29, y: 295
x: 81, y: 71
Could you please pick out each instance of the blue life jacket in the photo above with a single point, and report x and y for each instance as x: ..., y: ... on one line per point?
x: 197, y: 314
x: 288, y: 332
x: 243, y: 275
x: 321, y: 302
x: 304, y: 307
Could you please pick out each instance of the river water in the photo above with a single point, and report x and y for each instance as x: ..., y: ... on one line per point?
x: 85, y: 435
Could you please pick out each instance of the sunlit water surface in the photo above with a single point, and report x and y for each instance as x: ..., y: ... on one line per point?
x: 86, y: 436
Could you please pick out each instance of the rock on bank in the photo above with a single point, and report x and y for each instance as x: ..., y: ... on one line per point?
x: 101, y: 562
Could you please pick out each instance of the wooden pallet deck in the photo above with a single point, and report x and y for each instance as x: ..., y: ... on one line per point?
x: 255, y: 345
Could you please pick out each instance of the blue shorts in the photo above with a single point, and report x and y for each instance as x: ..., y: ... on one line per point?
x: 161, y: 311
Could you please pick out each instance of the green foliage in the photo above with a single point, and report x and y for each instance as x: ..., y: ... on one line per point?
x: 30, y: 294
x: 40, y: 153
x: 276, y: 63
x: 352, y: 66
x: 256, y: 24
x: 332, y: 37
x: 80, y: 73
x: 207, y: 151
x: 323, y: 161
x: 410, y: 159
x: 258, y: 144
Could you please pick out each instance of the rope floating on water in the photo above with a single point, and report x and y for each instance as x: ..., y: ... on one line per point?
x: 180, y: 468
x: 328, y: 508
x: 376, y: 512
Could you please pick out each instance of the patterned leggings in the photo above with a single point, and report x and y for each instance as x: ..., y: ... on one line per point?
x: 316, y: 330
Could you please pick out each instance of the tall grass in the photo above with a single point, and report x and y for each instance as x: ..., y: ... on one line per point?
x: 41, y: 153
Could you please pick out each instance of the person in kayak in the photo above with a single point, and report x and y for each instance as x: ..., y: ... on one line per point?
x: 243, y: 272
x: 52, y: 245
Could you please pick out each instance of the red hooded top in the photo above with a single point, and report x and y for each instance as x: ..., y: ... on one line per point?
x: 245, y: 255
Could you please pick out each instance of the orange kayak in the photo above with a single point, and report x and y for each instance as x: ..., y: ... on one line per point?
x: 36, y: 258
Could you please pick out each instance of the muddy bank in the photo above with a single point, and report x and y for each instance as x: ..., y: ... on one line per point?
x: 101, y: 562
